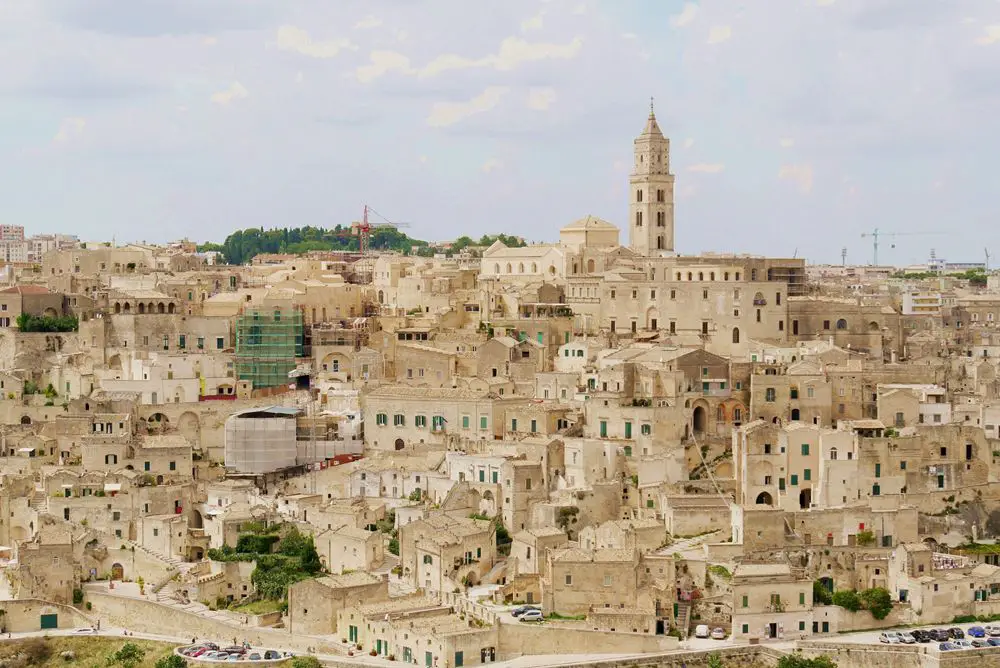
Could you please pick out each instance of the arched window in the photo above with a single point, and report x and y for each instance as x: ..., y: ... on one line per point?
x: 520, y: 268
x: 678, y: 275
x: 841, y: 324
x: 736, y: 334
x: 701, y: 276
x: 534, y: 268
x: 720, y: 413
x: 496, y: 268
x: 509, y: 268
x: 590, y: 266
x: 833, y: 454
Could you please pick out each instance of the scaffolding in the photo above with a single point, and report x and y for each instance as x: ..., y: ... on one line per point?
x: 267, y: 342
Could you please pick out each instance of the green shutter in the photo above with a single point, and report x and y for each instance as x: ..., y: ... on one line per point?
x: 878, y: 470
x: 795, y: 479
x: 807, y: 474
x: 805, y: 449
x: 628, y: 430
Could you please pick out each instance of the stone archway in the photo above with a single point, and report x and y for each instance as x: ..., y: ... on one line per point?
x: 699, y: 419
x: 764, y: 499
x: 399, y: 444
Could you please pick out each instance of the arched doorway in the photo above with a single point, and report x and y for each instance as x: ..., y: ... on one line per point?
x: 698, y: 420
x: 399, y: 444
x: 764, y: 499
x: 196, y: 521
x: 652, y: 318
x: 25, y: 419
x: 795, y: 415
x: 117, y: 571
x: 805, y: 498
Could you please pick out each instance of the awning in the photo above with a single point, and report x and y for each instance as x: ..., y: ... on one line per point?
x: 297, y: 373
x: 25, y: 449
x: 112, y: 487
x: 67, y: 486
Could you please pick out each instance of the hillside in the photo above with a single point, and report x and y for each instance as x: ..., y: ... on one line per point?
x: 242, y: 245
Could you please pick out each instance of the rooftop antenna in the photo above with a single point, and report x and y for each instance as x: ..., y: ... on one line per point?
x: 843, y: 256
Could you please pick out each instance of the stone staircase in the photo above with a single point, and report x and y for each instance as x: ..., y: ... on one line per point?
x: 39, y: 501
x: 684, y: 618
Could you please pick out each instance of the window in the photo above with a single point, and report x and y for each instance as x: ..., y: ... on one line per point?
x: 166, y: 342
x: 805, y: 449
x: 876, y: 490
x: 807, y: 474
x: 465, y: 422
x: 769, y: 395
x: 201, y: 343
x: 398, y: 420
x: 482, y: 422
x: 841, y: 324
x: 145, y: 466
x: 173, y: 466
x: 428, y: 559
x: 673, y: 294
x: 902, y: 466
x: 607, y: 580
x: 420, y: 421
x: 182, y: 341
x: 781, y: 484
x: 878, y: 470
x: 646, y: 429
x: 746, y: 604
x: 569, y: 579
x: 767, y: 448
x: 219, y: 343
x: 381, y: 419
x: 795, y: 479
x: 513, y: 424
x: 746, y: 628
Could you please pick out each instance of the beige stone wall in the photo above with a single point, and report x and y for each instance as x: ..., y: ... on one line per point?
x: 558, y: 638
x: 24, y: 615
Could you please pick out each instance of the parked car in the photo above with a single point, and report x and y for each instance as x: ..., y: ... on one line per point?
x: 889, y: 637
x: 940, y: 635
x: 272, y: 654
x: 234, y: 657
x: 921, y: 636
x: 977, y: 632
x: 961, y: 642
x: 956, y: 632
x: 517, y: 612
x: 993, y: 631
x: 945, y: 646
x: 718, y: 633
x: 254, y: 656
x: 532, y: 616
x: 993, y: 642
x: 702, y: 631
x: 980, y: 642
x: 907, y: 637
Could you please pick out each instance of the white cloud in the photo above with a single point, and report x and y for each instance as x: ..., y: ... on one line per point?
x: 786, y: 142
x: 707, y: 167
x: 295, y: 39
x: 236, y: 91
x: 686, y: 17
x: 448, y: 113
x: 540, y: 99
x: 719, y: 34
x: 69, y: 128
x: 513, y: 51
x: 801, y: 175
x: 534, y: 23
x: 992, y: 35
x: 368, y: 22
x: 491, y: 165
x: 383, y: 62
x: 689, y: 142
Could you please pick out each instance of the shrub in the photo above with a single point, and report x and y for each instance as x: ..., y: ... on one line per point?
x: 394, y: 546
x: 866, y: 538
x: 77, y: 596
x: 821, y: 594
x: 128, y: 655
x: 799, y: 661
x: 878, y: 601
x: 847, y: 599
x: 306, y: 662
x: 171, y: 661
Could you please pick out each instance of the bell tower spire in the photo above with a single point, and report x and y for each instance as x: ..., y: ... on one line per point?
x: 651, y: 196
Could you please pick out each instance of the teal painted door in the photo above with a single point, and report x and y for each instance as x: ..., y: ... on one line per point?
x: 428, y: 659
x: 459, y: 659
x: 50, y: 621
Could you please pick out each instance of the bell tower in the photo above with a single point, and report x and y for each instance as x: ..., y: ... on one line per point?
x: 651, y: 192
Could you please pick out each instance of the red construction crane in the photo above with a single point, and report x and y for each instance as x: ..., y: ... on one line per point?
x: 363, y: 229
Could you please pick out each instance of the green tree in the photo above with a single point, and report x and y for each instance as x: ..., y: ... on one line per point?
x: 799, y: 661
x: 306, y: 662
x: 847, y: 599
x: 866, y: 538
x: 128, y: 655
x: 715, y: 661
x: 821, y: 594
x: 171, y: 661
x: 877, y: 601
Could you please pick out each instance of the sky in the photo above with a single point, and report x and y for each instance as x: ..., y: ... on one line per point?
x: 795, y: 125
